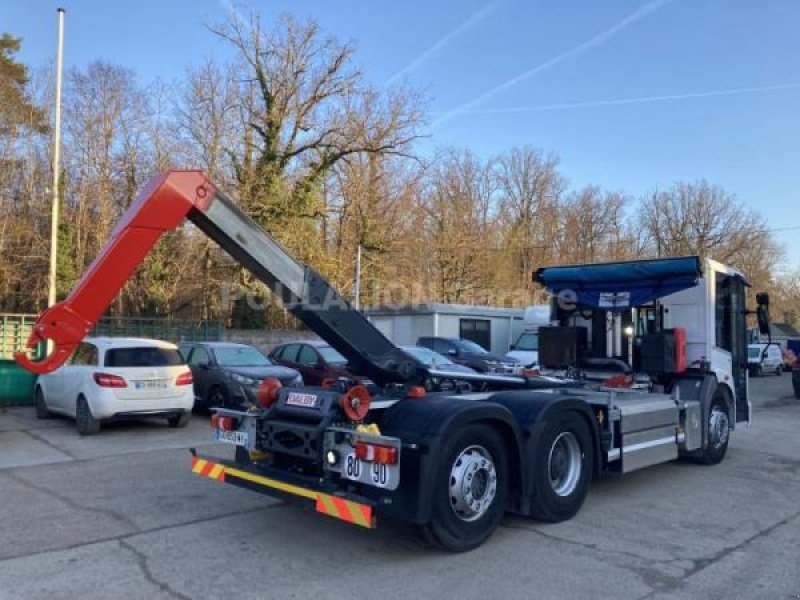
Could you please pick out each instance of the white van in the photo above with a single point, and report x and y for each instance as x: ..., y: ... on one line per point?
x: 763, y: 359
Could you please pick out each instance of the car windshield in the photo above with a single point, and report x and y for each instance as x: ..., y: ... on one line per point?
x: 142, y: 357
x: 527, y: 341
x: 331, y: 355
x: 427, y: 357
x: 754, y: 352
x: 470, y: 347
x: 244, y: 356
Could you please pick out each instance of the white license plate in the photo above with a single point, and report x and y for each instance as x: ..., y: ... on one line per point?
x: 238, y: 438
x: 150, y: 385
x: 378, y: 475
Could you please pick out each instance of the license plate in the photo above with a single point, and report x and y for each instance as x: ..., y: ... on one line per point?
x: 150, y: 385
x: 237, y: 438
x: 378, y: 475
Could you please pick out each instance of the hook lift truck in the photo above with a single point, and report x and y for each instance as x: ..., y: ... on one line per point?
x: 644, y: 362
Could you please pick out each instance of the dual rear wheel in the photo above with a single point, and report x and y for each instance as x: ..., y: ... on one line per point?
x: 474, y: 481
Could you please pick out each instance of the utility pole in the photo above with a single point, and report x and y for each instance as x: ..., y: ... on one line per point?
x: 54, y: 220
x: 357, y: 293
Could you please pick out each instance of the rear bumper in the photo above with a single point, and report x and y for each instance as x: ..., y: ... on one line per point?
x: 351, y: 509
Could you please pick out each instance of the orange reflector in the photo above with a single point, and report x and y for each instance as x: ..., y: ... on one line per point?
x: 355, y: 403
x: 215, y: 421
x: 227, y: 423
x: 268, y: 391
x: 206, y: 468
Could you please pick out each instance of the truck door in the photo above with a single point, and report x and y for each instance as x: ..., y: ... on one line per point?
x: 731, y: 335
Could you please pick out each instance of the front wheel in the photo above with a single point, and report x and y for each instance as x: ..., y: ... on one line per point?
x: 471, y: 490
x: 718, y: 432
x: 562, y: 469
x: 779, y: 370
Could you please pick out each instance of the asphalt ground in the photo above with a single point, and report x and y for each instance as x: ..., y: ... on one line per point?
x: 120, y: 515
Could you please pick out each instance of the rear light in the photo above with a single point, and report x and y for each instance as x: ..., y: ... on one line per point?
x: 268, y: 392
x: 383, y: 455
x: 185, y: 379
x: 109, y: 381
x: 224, y: 423
x: 530, y: 372
x: 416, y: 392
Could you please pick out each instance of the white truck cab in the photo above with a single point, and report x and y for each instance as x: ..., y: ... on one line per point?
x: 526, y: 348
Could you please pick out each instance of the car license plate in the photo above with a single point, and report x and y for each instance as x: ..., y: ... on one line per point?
x: 237, y: 438
x: 150, y: 385
x: 378, y: 475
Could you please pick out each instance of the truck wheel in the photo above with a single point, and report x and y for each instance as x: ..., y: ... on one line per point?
x: 563, y: 468
x: 471, y: 490
x: 779, y: 370
x: 84, y: 420
x: 796, y: 385
x: 42, y: 411
x: 180, y: 420
x: 718, y: 431
x: 242, y: 456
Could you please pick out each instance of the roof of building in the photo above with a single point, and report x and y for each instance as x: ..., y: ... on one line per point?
x: 430, y: 308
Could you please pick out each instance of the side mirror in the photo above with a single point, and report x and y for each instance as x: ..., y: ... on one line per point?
x: 513, y: 347
x: 762, y: 313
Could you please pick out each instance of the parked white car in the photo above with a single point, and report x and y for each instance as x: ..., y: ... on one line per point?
x: 763, y: 359
x: 115, y: 378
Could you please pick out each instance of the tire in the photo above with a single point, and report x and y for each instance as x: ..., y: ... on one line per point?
x: 84, y: 420
x: 42, y: 411
x: 719, y: 422
x: 796, y: 385
x: 242, y: 456
x: 180, y: 420
x: 564, y: 450
x: 779, y: 371
x: 473, y: 462
x: 217, y: 396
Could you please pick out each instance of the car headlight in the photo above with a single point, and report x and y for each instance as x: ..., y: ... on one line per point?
x: 243, y: 379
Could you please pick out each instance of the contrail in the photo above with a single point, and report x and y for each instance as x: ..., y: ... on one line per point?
x: 443, y: 41
x: 590, y: 44
x: 637, y: 100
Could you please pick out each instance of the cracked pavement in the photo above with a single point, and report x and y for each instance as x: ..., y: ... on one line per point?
x: 120, y: 514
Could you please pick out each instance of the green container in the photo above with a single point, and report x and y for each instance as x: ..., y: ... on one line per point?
x: 16, y: 384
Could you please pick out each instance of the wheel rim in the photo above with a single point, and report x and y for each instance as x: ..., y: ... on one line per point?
x: 473, y: 483
x: 718, y: 427
x: 565, y: 463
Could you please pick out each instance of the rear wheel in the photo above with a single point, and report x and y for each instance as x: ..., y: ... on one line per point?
x: 84, y: 420
x: 471, y: 490
x: 779, y: 370
x: 180, y: 420
x: 42, y: 411
x: 718, y: 431
x: 562, y: 469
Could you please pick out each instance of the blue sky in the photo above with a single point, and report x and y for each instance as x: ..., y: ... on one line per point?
x: 658, y: 58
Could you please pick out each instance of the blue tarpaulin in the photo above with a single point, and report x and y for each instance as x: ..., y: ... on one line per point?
x: 617, y: 286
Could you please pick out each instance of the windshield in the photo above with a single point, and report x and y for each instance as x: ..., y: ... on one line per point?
x: 470, y: 347
x: 142, y: 357
x: 754, y: 352
x: 331, y: 355
x: 427, y: 357
x: 241, y: 357
x: 527, y: 341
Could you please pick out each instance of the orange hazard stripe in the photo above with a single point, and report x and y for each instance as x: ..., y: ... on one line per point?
x: 345, y: 510
x: 334, y: 506
x: 206, y: 468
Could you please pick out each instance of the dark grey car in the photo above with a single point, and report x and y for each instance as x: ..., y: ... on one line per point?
x: 228, y: 375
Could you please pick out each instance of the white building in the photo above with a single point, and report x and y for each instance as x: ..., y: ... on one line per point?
x: 493, y: 328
